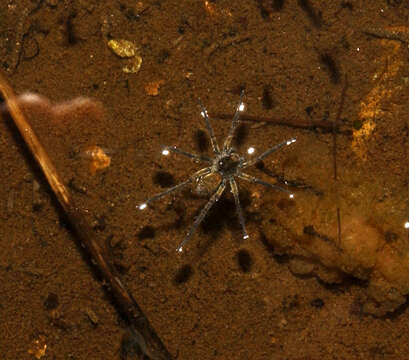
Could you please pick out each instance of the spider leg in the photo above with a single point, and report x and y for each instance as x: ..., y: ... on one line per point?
x: 195, y: 157
x: 234, y: 122
x: 268, y: 152
x: 213, y: 140
x: 235, y: 191
x: 196, y: 175
x: 255, y: 180
x: 213, y: 199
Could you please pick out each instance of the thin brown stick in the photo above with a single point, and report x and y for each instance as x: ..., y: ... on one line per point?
x: 219, y: 46
x: 334, y: 151
x: 325, y: 127
x: 398, y: 33
x: 144, y: 335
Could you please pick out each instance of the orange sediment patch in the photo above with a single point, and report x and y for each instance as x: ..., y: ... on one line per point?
x: 152, y: 88
x: 371, y: 106
x: 99, y: 160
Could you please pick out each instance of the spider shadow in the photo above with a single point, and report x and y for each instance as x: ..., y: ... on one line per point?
x: 222, y: 216
x: 185, y: 272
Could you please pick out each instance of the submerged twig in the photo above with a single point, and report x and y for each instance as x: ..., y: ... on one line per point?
x: 218, y: 46
x: 324, y: 126
x: 147, y: 340
x: 334, y: 151
x: 393, y: 33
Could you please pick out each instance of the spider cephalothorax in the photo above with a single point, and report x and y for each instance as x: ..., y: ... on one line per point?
x: 227, y: 164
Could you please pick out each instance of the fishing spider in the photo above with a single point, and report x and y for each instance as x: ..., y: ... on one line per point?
x: 227, y: 164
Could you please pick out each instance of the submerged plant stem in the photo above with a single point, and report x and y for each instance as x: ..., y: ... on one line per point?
x: 146, y: 338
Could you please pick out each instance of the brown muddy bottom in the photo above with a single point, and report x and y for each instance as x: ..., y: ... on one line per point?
x: 323, y: 276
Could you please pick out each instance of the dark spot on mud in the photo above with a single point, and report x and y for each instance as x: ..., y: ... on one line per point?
x: 394, y: 2
x: 259, y: 165
x: 163, y: 179
x: 51, y: 302
x: 129, y: 12
x: 285, y: 203
x: 244, y: 260
x: 330, y: 64
x: 147, y: 232
x: 202, y: 140
x: 223, y: 214
x: 241, y: 135
x: 308, y: 110
x: 72, y: 37
x: 163, y: 55
x: 315, y: 17
x: 347, y: 5
x: 183, y: 275
x: 357, y: 124
x: 317, y: 303
x: 290, y: 302
x: 267, y: 99
x: 391, y: 236
x: 266, y: 7
x: 277, y: 4
x: 279, y: 257
x: 309, y: 230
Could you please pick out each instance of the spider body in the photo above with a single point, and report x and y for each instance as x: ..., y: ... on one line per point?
x: 227, y: 164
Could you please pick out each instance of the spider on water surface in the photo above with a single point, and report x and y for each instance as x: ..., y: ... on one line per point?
x: 226, y: 163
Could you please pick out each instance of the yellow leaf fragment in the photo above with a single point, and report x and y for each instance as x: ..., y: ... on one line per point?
x: 133, y: 66
x: 123, y: 48
x: 127, y: 50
